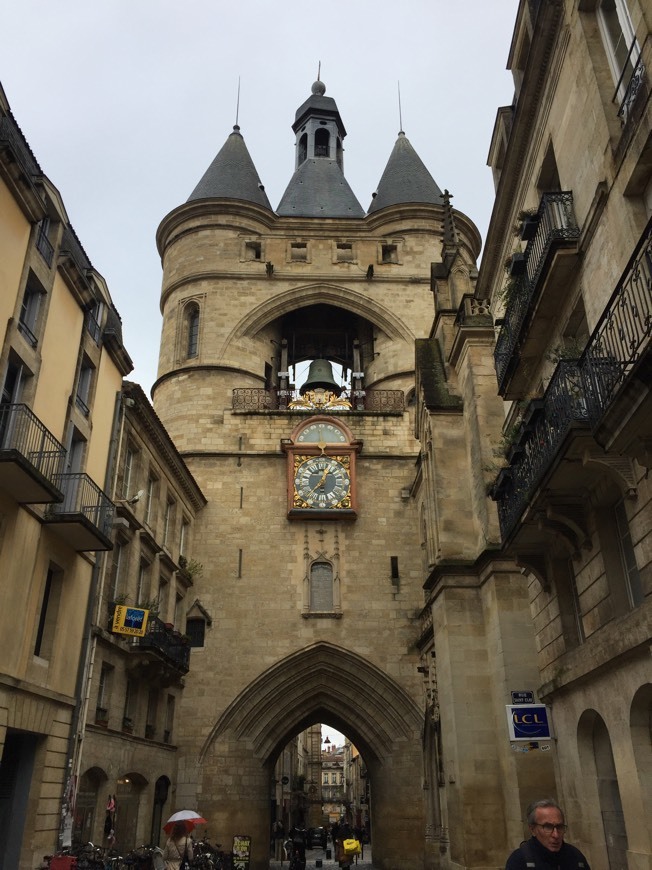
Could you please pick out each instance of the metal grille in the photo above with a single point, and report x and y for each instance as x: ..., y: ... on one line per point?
x: 259, y: 399
x: 622, y: 333
x: 564, y: 404
x: 557, y: 225
x: 21, y: 430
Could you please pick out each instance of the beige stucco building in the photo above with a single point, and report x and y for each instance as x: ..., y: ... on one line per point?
x: 56, y: 416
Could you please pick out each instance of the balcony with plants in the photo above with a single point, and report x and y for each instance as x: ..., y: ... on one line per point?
x: 171, y: 651
x: 536, y: 277
x: 31, y: 458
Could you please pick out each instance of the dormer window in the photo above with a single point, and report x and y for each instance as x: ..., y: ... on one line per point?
x: 322, y: 143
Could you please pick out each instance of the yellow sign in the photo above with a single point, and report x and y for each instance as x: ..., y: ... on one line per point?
x: 130, y: 620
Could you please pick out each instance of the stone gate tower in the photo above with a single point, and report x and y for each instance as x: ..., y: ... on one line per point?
x: 311, y: 544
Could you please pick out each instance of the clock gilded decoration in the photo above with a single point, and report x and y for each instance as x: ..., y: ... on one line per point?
x: 321, y: 470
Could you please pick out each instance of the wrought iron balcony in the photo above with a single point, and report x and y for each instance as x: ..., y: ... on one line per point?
x: 84, y: 516
x: 621, y: 337
x: 31, y: 458
x: 171, y: 648
x: 557, y: 228
x: 259, y: 399
x: 564, y: 405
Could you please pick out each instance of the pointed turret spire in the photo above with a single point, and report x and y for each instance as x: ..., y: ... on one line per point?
x: 318, y: 187
x: 405, y: 179
x: 232, y: 175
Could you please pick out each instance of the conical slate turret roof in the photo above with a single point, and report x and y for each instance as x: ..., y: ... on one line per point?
x: 319, y: 189
x: 232, y: 175
x: 405, y: 179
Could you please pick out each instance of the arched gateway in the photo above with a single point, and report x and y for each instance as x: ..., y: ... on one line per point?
x: 321, y: 683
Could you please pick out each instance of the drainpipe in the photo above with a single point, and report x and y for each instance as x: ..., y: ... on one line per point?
x: 88, y: 648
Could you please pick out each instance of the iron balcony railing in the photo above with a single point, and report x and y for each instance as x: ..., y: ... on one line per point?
x: 556, y: 224
x: 564, y: 405
x: 22, y: 431
x: 93, y: 328
x: 623, y: 332
x: 634, y: 62
x: 259, y: 399
x: 172, y: 647
x: 81, y: 495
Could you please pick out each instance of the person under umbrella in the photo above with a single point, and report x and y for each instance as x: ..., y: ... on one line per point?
x: 178, y: 847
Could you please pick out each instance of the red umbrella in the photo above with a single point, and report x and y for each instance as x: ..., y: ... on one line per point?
x: 188, y: 819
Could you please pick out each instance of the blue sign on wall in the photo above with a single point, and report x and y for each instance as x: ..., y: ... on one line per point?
x: 528, y: 722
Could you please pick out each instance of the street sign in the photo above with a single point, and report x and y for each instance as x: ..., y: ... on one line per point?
x: 528, y: 722
x: 523, y: 697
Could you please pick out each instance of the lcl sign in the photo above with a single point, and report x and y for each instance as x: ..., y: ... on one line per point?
x: 528, y: 722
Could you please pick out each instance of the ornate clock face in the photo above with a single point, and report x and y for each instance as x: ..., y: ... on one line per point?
x: 322, y: 482
x: 321, y: 433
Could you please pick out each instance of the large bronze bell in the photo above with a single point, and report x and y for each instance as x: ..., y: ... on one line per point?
x: 320, y: 376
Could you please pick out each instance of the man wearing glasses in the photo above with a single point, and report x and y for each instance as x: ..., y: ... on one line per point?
x: 546, y: 848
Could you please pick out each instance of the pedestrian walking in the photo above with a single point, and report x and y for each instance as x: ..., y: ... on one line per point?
x: 546, y: 848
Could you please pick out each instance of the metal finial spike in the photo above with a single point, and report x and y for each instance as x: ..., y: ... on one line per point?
x: 400, y: 113
x: 319, y: 71
x: 237, y: 107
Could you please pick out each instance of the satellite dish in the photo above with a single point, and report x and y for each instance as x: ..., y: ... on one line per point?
x: 137, y: 497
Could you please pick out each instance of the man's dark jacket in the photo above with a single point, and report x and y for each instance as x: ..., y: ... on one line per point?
x: 531, y: 855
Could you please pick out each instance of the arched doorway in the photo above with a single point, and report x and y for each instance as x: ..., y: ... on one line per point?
x: 127, y: 799
x: 161, y: 791
x: 89, y: 795
x: 597, y: 759
x: 322, y: 683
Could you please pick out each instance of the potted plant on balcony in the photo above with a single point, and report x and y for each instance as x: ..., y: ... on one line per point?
x: 128, y: 724
x: 528, y: 223
x: 190, y: 568
x: 517, y: 264
x: 101, y: 716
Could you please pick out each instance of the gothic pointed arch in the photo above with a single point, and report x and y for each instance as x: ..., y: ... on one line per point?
x: 329, y: 294
x: 321, y: 683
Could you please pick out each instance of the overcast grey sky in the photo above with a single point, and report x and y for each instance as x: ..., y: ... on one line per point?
x: 126, y: 102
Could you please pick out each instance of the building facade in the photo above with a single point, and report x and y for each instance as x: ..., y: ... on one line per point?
x: 567, y: 268
x: 126, y: 766
x: 333, y: 502
x: 56, y: 419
